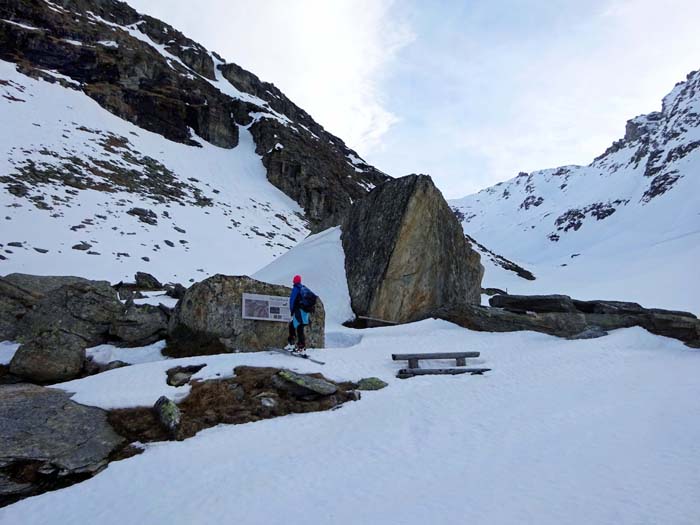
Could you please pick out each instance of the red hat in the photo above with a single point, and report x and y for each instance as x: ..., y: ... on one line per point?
x: 297, y: 279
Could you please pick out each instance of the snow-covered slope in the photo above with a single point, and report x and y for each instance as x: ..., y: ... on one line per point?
x: 627, y: 226
x: 208, y: 209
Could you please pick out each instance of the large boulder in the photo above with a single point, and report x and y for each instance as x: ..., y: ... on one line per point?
x: 209, y: 320
x: 406, y: 254
x: 15, y: 302
x: 85, y: 309
x: 48, y: 440
x: 50, y: 357
x: 44, y: 284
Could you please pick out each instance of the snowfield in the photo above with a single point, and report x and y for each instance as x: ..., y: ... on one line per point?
x: 603, y: 431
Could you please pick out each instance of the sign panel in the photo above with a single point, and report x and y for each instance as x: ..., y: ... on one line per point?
x: 266, y: 307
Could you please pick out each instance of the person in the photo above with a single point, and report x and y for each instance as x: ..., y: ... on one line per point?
x: 300, y: 317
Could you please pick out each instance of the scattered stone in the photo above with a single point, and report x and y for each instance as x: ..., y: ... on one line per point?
x: 83, y: 246
x: 147, y: 259
x: 179, y: 229
x: 169, y: 243
x: 371, y: 383
x: 15, y: 244
x: 93, y: 253
x: 144, y: 215
x: 302, y: 385
x: 41, y: 250
x: 180, y: 375
x: 50, y: 357
x: 168, y: 415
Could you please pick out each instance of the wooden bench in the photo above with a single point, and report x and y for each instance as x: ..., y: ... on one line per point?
x: 414, y: 368
x: 413, y: 359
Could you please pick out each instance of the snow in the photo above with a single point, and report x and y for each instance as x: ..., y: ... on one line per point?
x: 239, y: 233
x: 107, y: 353
x: 320, y: 260
x: 156, y: 298
x: 108, y: 43
x: 576, y: 432
x: 23, y: 26
x: 7, y: 351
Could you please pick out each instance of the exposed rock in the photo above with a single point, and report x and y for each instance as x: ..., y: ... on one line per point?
x: 85, y: 309
x: 405, y: 253
x: 302, y: 385
x: 493, y: 291
x: 533, y: 303
x: 50, y: 357
x: 15, y: 302
x: 181, y: 375
x: 371, y: 383
x: 91, y: 367
x: 571, y: 318
x: 140, y: 325
x: 44, y: 450
x: 208, y: 319
x: 179, y: 98
x: 176, y: 291
x: 168, y: 414
x: 146, y: 281
x: 251, y: 395
x: 44, y: 284
x: 144, y: 215
x: 83, y: 246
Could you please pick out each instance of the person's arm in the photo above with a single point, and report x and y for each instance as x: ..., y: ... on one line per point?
x: 292, y: 299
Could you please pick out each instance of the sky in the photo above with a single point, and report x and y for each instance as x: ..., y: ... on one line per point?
x: 469, y: 92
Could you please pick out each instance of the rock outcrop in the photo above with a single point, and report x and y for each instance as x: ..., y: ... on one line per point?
x: 150, y: 74
x: 209, y: 319
x: 140, y: 325
x: 562, y: 316
x: 406, y: 254
x: 15, y: 302
x: 47, y: 440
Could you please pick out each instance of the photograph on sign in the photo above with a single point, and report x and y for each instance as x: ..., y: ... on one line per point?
x: 265, y: 307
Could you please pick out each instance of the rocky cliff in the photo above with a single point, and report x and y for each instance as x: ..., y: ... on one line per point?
x: 151, y: 75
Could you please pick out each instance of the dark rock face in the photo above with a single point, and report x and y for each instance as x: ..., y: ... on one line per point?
x: 83, y: 309
x: 405, y: 253
x: 140, y: 325
x: 177, y: 96
x: 50, y: 357
x: 565, y: 317
x: 209, y: 316
x: 146, y: 281
x: 39, y: 450
x: 15, y: 302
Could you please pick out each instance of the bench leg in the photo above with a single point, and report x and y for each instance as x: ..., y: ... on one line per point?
x: 461, y: 361
x: 413, y: 363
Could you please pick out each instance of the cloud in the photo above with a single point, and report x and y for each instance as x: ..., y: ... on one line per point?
x: 330, y: 58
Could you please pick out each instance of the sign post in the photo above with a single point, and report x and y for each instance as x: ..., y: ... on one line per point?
x: 266, y: 308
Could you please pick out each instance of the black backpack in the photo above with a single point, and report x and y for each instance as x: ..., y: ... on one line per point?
x: 307, y: 299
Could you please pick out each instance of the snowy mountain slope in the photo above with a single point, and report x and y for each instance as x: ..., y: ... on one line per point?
x: 626, y: 226
x: 73, y: 174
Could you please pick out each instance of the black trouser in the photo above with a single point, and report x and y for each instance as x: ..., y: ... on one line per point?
x: 297, y: 334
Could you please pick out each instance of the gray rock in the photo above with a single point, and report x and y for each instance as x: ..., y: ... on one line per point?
x: 43, y: 426
x: 302, y: 385
x: 406, y: 254
x: 181, y: 375
x: 208, y: 319
x: 146, y: 281
x: 140, y: 325
x: 83, y: 246
x: 168, y: 415
x: 15, y: 302
x: 50, y: 357
x: 85, y: 309
x: 176, y: 291
x: 534, y: 303
x: 371, y: 383
x: 44, y: 284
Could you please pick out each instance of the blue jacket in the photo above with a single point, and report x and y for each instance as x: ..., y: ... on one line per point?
x: 295, y: 298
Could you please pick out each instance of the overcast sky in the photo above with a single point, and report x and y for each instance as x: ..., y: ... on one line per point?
x: 470, y: 92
